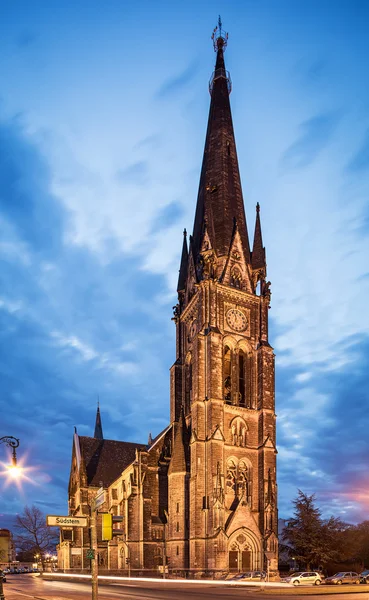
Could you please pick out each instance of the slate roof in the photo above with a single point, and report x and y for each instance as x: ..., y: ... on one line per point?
x: 106, y: 459
x: 220, y: 200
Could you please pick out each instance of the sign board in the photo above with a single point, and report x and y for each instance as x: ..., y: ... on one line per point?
x: 57, y: 521
x: 90, y: 553
x: 99, y: 500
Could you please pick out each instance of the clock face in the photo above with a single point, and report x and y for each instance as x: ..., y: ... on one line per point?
x: 236, y: 319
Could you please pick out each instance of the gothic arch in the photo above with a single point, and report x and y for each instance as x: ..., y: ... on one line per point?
x: 188, y: 383
x: 245, y: 373
x: 236, y: 278
x: 229, y: 362
x: 229, y: 341
x: 238, y: 483
x: 244, y: 551
x: 238, y: 431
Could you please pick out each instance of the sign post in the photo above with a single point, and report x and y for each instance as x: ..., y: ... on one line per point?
x: 58, y: 521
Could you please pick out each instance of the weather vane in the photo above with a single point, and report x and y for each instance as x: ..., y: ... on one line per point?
x: 219, y: 37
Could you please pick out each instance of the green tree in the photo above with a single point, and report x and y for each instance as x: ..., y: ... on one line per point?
x: 33, y: 535
x: 311, y: 540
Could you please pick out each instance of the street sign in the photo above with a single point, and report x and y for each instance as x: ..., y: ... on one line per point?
x: 99, y: 499
x: 90, y: 553
x: 57, y: 521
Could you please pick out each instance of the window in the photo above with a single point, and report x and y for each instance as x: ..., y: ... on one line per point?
x: 227, y: 374
x: 241, y: 378
x: 177, y: 507
x: 177, y: 550
x: 188, y: 384
x: 238, y: 432
x: 114, y: 494
x: 238, y: 481
x: 177, y: 527
x: 236, y: 279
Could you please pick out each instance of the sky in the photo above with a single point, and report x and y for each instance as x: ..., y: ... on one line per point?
x: 103, y: 113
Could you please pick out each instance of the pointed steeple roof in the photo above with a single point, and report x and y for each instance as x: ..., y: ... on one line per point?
x: 220, y: 198
x: 98, y: 434
x: 184, y: 265
x: 258, y: 250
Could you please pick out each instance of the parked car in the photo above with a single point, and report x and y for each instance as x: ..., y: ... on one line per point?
x: 250, y: 576
x: 241, y: 576
x: 343, y: 577
x: 2, y: 574
x: 303, y: 577
x: 258, y: 575
x: 364, y: 576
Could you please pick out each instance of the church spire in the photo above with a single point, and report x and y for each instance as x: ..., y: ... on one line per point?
x: 258, y: 250
x: 184, y: 264
x: 98, y: 434
x: 219, y: 200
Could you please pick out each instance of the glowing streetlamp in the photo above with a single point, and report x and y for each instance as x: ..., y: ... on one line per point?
x: 13, y: 443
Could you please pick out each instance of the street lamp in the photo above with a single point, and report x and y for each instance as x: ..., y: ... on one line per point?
x: 13, y: 443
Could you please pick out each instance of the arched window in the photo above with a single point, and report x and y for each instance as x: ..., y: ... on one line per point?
x: 243, y: 480
x: 238, y: 432
x: 236, y: 279
x: 231, y: 478
x: 241, y: 378
x: 227, y: 366
x: 188, y: 385
x: 238, y: 481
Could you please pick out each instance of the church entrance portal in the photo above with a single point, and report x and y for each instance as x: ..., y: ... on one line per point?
x: 240, y: 560
x: 241, y: 555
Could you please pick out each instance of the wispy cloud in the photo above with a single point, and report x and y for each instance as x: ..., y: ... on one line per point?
x: 360, y: 160
x: 178, y: 82
x: 315, y: 133
x: 136, y: 174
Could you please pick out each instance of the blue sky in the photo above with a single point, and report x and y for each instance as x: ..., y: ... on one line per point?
x: 103, y: 112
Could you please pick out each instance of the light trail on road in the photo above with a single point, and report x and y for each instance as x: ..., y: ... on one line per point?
x: 25, y: 587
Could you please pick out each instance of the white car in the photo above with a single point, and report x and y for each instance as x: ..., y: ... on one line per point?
x: 304, y: 577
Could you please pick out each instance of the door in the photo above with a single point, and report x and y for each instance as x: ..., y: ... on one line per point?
x: 233, y: 560
x: 246, y: 560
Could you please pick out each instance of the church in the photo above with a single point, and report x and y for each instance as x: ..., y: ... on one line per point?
x: 200, y: 499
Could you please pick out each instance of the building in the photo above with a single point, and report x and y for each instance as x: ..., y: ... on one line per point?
x: 201, y: 497
x: 7, y: 548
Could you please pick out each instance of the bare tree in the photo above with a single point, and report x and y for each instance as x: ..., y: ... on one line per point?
x: 33, y: 535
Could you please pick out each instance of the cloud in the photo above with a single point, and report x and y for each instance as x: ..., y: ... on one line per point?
x: 137, y: 173
x: 360, y: 160
x: 86, y: 352
x: 315, y: 135
x: 177, y: 83
x: 37, y: 217
x: 167, y: 216
x: 322, y: 429
x: 72, y: 326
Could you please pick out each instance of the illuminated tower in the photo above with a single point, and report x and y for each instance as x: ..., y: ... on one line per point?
x: 222, y: 382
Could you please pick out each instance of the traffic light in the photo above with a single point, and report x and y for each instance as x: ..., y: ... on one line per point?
x: 107, y: 531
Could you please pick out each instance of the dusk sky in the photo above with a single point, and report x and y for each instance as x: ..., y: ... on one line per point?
x: 103, y: 114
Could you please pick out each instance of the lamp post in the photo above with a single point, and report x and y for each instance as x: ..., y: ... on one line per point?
x: 13, y: 443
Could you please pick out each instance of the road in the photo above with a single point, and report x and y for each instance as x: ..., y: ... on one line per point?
x: 26, y: 587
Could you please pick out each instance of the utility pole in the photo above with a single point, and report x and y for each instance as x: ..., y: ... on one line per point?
x: 94, y: 564
x: 2, y: 597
